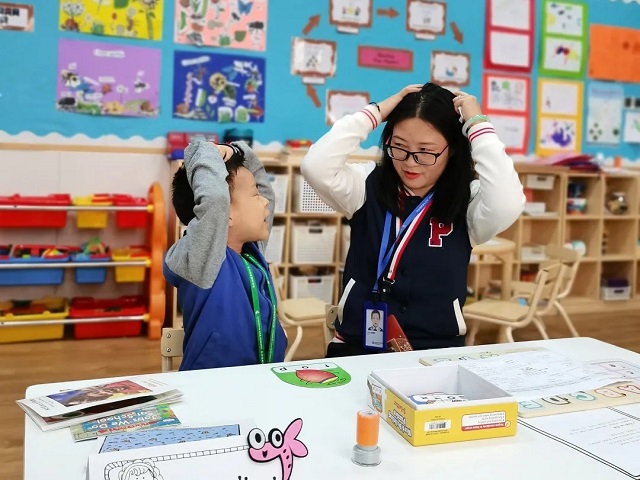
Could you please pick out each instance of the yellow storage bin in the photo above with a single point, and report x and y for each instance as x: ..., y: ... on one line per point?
x: 92, y: 219
x: 49, y: 308
x: 131, y: 273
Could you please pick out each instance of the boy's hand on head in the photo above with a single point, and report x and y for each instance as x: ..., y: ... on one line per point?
x: 388, y: 104
x: 226, y: 151
x: 466, y: 105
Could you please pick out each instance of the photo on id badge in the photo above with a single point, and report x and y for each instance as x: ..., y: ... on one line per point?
x: 375, y: 326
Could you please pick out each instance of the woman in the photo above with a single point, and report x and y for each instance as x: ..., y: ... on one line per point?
x: 414, y: 217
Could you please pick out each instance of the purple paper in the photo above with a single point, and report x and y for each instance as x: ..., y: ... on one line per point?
x: 98, y: 78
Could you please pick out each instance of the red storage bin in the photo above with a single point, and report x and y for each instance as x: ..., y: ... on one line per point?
x: 88, y: 307
x: 35, y: 218
x: 133, y: 219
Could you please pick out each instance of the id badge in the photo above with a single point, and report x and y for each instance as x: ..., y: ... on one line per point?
x: 375, y: 326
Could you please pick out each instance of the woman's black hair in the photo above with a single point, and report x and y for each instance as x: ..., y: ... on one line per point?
x: 452, y: 192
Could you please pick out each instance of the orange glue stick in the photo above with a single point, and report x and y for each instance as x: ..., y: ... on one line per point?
x: 366, y: 451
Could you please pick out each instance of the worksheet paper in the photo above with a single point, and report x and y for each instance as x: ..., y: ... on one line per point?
x: 539, y: 374
x: 609, y: 435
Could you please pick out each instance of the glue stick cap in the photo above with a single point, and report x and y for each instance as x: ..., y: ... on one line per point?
x: 366, y: 451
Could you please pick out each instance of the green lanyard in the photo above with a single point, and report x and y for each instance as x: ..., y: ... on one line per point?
x: 255, y: 300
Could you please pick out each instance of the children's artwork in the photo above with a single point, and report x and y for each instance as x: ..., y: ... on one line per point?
x: 108, y: 79
x: 250, y: 455
x: 385, y: 58
x: 558, y: 97
x: 506, y: 93
x: 614, y: 53
x: 166, y: 436
x: 313, y: 375
x: 565, y: 18
x: 509, y: 51
x: 222, y: 23
x: 138, y: 419
x: 281, y: 446
x: 350, y: 15
x: 632, y: 126
x: 117, y: 18
x: 513, y: 130
x: 218, y: 87
x: 341, y: 103
x: 512, y: 14
x: 14, y: 16
x: 558, y: 134
x: 604, y: 118
x: 314, y: 60
x: 426, y: 18
x: 449, y: 68
x: 109, y: 391
x: 562, y: 56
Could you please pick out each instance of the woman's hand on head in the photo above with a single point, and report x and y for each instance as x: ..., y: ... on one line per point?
x: 388, y: 104
x: 466, y: 105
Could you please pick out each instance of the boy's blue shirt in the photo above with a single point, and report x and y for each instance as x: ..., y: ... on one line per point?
x: 219, y: 324
x: 213, y: 286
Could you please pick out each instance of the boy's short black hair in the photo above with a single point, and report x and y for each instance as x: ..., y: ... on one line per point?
x: 182, y: 196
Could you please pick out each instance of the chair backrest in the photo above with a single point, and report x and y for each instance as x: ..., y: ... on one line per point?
x: 570, y: 258
x: 170, y: 346
x: 330, y: 322
x: 549, y: 288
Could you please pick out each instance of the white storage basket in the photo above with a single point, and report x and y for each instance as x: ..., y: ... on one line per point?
x: 305, y: 199
x: 320, y: 286
x: 275, y: 247
x: 313, y: 244
x: 280, y: 184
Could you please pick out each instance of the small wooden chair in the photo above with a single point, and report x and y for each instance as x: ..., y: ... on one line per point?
x: 170, y: 346
x: 510, y: 314
x: 297, y: 312
x: 554, y: 253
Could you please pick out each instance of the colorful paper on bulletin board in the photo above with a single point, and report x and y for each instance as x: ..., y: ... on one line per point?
x: 557, y: 134
x: 117, y: 18
x: 565, y: 19
x: 340, y: 103
x: 505, y: 93
x: 562, y: 56
x: 632, y: 126
x: 14, y: 16
x: 604, y: 117
x: 614, y: 53
x: 450, y: 68
x: 559, y: 97
x: 108, y: 79
x: 511, y: 14
x: 513, y: 130
x: 506, y: 50
x: 218, y: 87
x: 222, y: 23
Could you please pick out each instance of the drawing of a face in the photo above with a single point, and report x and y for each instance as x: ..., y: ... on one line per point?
x: 283, y: 446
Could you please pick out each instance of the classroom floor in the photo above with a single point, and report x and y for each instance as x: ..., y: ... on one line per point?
x: 58, y: 361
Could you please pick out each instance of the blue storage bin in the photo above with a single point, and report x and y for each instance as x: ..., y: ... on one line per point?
x: 91, y: 274
x: 32, y: 276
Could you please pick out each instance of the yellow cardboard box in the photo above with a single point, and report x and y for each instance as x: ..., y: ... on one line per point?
x: 488, y: 411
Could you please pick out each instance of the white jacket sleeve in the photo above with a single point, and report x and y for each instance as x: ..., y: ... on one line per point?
x: 497, y: 199
x: 339, y: 184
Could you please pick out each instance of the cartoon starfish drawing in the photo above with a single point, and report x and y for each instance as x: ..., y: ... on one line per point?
x: 278, y: 445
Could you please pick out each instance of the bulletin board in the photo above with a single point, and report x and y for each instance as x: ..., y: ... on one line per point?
x: 379, y: 48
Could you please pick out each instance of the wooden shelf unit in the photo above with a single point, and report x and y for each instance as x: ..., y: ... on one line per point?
x: 623, y: 257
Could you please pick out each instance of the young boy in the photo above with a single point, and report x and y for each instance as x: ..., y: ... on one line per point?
x: 227, y: 296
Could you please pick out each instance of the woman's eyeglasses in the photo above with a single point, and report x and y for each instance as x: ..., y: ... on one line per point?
x: 421, y: 158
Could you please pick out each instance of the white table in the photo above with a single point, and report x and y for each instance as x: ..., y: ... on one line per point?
x: 227, y: 395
